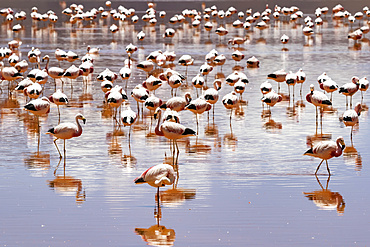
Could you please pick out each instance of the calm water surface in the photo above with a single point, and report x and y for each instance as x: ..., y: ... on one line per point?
x: 250, y: 187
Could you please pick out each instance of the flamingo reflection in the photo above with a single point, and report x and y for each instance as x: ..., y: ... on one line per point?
x: 157, y: 235
x: 38, y: 162
x: 325, y: 199
x: 67, y: 185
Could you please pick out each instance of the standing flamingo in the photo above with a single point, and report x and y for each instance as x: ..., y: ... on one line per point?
x: 39, y: 107
x: 349, y: 89
x: 59, y: 98
x: 318, y: 99
x: 177, y: 103
x: 326, y: 150
x: 157, y: 176
x: 364, y: 85
x: 172, y: 131
x: 329, y: 86
x: 67, y: 131
x: 350, y: 117
x: 53, y: 72
x: 271, y: 99
x: 278, y: 76
x: 301, y: 77
x: 211, y: 95
x: 198, y: 106
x: 140, y: 94
x: 128, y: 119
x: 230, y: 101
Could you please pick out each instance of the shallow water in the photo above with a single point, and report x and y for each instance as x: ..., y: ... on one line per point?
x: 251, y: 187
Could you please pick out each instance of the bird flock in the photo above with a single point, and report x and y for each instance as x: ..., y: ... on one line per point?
x: 160, y: 70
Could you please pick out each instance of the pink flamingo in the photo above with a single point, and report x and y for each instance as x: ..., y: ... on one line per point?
x: 326, y: 150
x: 318, y: 99
x: 350, y: 117
x: 67, y: 131
x: 157, y: 176
x: 349, y: 89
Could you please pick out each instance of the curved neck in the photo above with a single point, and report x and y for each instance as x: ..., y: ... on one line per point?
x: 47, y: 63
x: 158, y: 130
x: 79, y: 128
x: 339, y: 150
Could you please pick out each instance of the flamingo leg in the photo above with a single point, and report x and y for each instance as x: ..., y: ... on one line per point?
x: 60, y: 155
x: 317, y: 169
x: 327, y: 167
x: 129, y: 140
x: 64, y: 149
x: 231, y: 128
x: 58, y: 114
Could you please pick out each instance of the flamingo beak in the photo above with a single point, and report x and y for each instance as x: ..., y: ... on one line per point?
x: 84, y: 120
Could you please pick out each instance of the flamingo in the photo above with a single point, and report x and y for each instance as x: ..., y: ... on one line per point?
x: 318, y: 99
x: 232, y: 78
x: 21, y: 66
x: 349, y: 89
x: 39, y: 107
x: 146, y: 66
x: 53, y: 72
x: 33, y: 91
x: 364, y: 85
x: 174, y: 81
x: 130, y: 49
x: 23, y: 84
x: 211, y: 94
x: 239, y: 87
x: 278, y: 76
x: 237, y: 56
x: 32, y: 74
x: 128, y: 119
x: 87, y: 68
x: 205, y: 69
x: 186, y: 60
x: 71, y: 56
x: 177, y: 103
x: 107, y: 74
x: 106, y: 86
x: 59, y: 98
x: 9, y: 74
x: 284, y: 40
x: 253, y: 62
x: 271, y: 99
x: 140, y: 94
x: 172, y: 131
x: 152, y: 83
x: 329, y: 86
x: 72, y: 73
x: 198, y: 106
x: 350, y: 117
x: 301, y: 78
x: 198, y: 82
x: 157, y: 176
x: 60, y: 55
x: 125, y: 74
x: 115, y: 98
x: 34, y: 56
x: 67, y: 131
x: 291, y: 79
x: 152, y: 103
x: 326, y: 150
x: 230, y: 101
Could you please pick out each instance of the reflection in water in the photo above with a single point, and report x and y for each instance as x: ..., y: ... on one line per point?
x: 157, y: 235
x: 325, y: 199
x: 38, y: 162
x: 352, y: 157
x: 67, y: 185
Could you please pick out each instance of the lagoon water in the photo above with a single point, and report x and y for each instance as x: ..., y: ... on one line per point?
x: 249, y: 187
